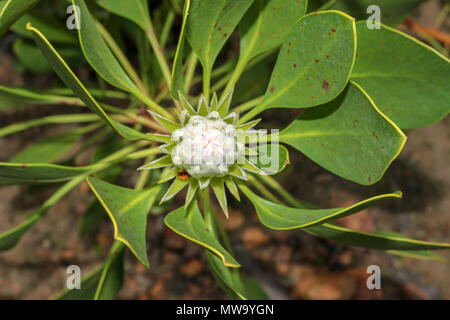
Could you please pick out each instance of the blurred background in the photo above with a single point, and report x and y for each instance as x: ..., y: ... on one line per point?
x: 290, y: 265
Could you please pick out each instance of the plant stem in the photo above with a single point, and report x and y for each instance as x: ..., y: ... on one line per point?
x: 166, y: 28
x: 159, y: 53
x: 58, y: 119
x: 239, y: 69
x: 206, y: 84
x: 247, y: 105
x: 207, y: 212
x: 191, y: 64
x: 327, y: 5
x: 120, y: 55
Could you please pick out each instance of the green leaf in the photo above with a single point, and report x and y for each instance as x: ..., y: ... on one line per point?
x: 112, y: 277
x: 71, y: 80
x: 134, y: 10
x: 50, y: 26
x: 210, y: 24
x: 10, y: 238
x: 406, y: 79
x: 18, y: 97
x: 218, y: 187
x: 348, y: 136
x: 128, y: 211
x: 266, y: 24
x: 314, y: 63
x: 279, y: 217
x: 24, y: 173
x: 176, y: 186
x: 33, y: 60
x: 97, y: 52
x: 177, y: 83
x: 91, y: 219
x: 49, y: 149
x: 372, y: 240
x: 418, y: 254
x: 234, y: 283
x: 272, y: 158
x: 392, y: 12
x: 190, y: 224
x: 11, y: 10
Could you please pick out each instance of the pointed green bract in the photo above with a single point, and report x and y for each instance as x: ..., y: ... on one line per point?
x: 168, y: 175
x: 214, y: 102
x: 218, y: 187
x: 170, y: 125
x: 314, y: 63
x: 162, y: 162
x: 203, y: 108
x: 237, y: 172
x: 348, y: 136
x: 231, y: 185
x: 176, y: 186
x: 190, y: 224
x: 203, y: 182
x: 407, y: 80
x: 128, y: 211
x: 279, y: 217
x: 249, y: 125
x: 193, y: 186
x: 186, y: 105
x: 251, y: 167
x: 224, y: 104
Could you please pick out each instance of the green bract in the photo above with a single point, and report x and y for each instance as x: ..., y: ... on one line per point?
x: 357, y: 88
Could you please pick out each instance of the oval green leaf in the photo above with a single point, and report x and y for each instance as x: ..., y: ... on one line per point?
x: 407, y: 80
x: 348, y: 136
x: 279, y: 217
x: 11, y: 10
x: 128, y: 211
x: 190, y: 224
x: 314, y: 63
x: 372, y: 240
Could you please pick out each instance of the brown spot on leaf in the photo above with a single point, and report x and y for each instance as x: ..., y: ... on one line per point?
x: 317, y: 61
x: 272, y: 89
x: 333, y: 29
x: 325, y: 85
x: 295, y: 66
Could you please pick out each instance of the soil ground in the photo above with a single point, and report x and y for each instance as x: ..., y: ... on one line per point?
x: 290, y: 265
